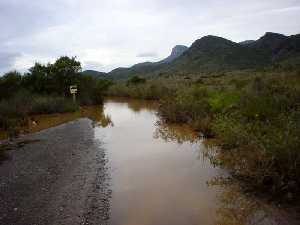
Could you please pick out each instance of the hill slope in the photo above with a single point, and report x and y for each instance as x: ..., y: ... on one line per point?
x: 95, y: 74
x: 146, y: 68
x: 212, y: 53
x: 215, y: 54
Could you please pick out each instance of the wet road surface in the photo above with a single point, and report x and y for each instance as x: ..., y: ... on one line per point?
x: 60, y: 179
x: 123, y: 166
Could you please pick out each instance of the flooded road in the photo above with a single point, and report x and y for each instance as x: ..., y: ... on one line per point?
x: 160, y: 175
x: 120, y: 165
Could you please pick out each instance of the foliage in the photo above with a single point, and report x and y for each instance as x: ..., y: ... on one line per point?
x: 15, y: 111
x: 10, y: 83
x: 55, y: 79
x: 265, y: 124
x: 150, y: 90
x: 45, y: 89
x: 255, y: 118
x: 47, y: 105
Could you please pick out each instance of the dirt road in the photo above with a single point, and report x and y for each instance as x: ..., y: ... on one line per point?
x: 60, y: 179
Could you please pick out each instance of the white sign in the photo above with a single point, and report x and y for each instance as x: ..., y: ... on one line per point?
x: 73, y: 89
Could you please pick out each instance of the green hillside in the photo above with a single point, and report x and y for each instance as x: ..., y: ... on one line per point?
x: 212, y: 54
x: 95, y: 74
x: 147, y: 69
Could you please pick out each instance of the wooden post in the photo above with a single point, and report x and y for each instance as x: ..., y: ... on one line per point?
x: 74, y: 97
x: 73, y: 91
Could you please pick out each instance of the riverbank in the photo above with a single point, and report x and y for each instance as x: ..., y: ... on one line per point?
x: 36, y: 123
x: 154, y: 169
x: 254, y: 117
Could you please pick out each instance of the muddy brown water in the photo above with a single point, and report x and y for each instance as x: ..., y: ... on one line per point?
x: 160, y: 175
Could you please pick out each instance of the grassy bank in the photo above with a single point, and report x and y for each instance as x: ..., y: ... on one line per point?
x: 255, y: 118
x: 45, y: 90
x: 154, y: 89
x: 16, y: 111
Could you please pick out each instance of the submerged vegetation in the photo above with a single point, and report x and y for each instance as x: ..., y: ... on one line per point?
x: 255, y: 118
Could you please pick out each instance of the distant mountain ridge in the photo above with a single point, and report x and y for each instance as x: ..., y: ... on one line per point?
x: 145, y: 68
x: 217, y: 54
x: 177, y: 51
x: 95, y: 74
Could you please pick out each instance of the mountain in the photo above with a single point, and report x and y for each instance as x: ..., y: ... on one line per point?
x: 278, y: 46
x: 95, y: 74
x: 216, y: 54
x: 177, y: 51
x: 146, y: 68
x: 212, y: 53
x: 270, y: 41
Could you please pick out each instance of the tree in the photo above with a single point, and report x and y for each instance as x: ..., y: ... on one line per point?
x: 10, y: 83
x: 53, y: 78
x: 65, y: 72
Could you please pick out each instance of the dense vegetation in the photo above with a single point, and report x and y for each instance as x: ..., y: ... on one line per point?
x: 45, y: 89
x: 254, y: 116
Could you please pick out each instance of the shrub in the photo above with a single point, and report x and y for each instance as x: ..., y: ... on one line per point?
x: 151, y: 90
x: 264, y: 131
x: 44, y: 105
x: 15, y: 109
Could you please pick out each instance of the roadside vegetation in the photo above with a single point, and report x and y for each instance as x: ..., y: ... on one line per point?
x: 253, y: 116
x: 44, y: 90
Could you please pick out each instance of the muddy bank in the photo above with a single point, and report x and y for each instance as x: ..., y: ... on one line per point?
x: 60, y: 179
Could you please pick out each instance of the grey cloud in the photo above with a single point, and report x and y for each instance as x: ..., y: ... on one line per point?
x: 93, y: 65
x: 7, y: 60
x: 147, y: 55
x: 109, y: 33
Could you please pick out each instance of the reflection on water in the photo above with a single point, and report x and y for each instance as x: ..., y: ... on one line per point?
x: 41, y: 122
x: 175, y: 132
x: 94, y: 113
x: 161, y: 175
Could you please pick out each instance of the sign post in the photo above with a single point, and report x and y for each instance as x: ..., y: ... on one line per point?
x: 73, y: 91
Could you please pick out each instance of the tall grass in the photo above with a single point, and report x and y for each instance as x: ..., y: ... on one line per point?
x: 264, y: 130
x: 15, y: 111
x: 147, y: 89
x: 47, y: 105
x: 255, y: 118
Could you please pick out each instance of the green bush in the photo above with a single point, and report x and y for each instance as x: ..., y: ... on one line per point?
x: 44, y: 105
x: 151, y: 90
x: 266, y: 121
x: 191, y: 106
x: 15, y: 109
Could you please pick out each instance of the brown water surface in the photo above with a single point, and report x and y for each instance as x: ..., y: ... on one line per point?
x: 160, y: 175
x: 40, y: 122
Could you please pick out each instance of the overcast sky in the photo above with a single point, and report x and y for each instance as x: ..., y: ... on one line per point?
x: 105, y: 34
